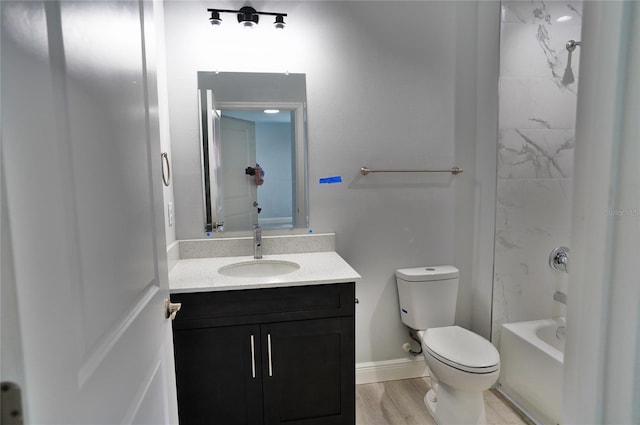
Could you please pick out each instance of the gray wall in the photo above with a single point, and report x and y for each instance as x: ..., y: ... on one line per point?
x: 389, y: 85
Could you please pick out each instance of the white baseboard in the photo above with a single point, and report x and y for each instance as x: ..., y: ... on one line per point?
x: 391, y: 370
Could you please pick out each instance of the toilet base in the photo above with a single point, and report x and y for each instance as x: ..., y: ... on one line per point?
x: 449, y: 406
x: 431, y: 402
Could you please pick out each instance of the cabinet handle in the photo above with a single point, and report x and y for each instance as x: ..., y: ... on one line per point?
x: 253, y: 358
x: 269, y: 351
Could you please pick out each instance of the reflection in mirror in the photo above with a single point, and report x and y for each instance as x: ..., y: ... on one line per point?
x: 253, y: 128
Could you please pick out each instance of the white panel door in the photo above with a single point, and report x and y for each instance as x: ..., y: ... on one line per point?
x: 81, y: 162
x: 239, y: 190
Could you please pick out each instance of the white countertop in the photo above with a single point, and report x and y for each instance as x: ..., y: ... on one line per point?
x: 316, y: 268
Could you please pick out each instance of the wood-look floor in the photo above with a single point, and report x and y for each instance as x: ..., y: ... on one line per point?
x: 401, y: 403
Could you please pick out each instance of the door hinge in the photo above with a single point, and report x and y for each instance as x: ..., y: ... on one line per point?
x: 10, y: 404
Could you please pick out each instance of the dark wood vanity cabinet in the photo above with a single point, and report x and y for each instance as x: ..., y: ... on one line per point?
x: 214, y: 380
x: 266, y: 356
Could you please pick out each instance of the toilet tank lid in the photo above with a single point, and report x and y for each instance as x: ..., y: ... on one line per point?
x: 421, y: 274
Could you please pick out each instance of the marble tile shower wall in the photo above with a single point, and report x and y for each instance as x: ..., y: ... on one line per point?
x: 535, y: 155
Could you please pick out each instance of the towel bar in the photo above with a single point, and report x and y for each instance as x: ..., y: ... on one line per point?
x: 454, y: 170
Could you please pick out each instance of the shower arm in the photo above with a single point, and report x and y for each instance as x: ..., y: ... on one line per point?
x: 572, y: 44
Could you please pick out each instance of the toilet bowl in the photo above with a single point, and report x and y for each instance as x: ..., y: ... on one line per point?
x: 462, y: 363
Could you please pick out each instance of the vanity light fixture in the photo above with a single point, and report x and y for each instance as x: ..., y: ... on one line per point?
x: 279, y: 23
x: 247, y: 16
x: 215, y: 18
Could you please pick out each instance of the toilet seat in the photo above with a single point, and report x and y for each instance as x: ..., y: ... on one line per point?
x: 461, y: 349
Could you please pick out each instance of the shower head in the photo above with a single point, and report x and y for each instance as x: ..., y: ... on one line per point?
x: 568, y: 77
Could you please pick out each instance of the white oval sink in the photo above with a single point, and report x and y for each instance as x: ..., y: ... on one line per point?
x: 259, y: 268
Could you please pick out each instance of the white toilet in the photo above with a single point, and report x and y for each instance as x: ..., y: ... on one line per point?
x: 462, y: 363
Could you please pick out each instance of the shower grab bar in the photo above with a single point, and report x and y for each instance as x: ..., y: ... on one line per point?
x: 454, y: 170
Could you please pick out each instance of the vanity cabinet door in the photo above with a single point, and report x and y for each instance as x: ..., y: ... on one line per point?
x: 219, y: 376
x: 308, y: 371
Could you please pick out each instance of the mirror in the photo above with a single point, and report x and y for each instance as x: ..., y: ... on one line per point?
x: 253, y: 147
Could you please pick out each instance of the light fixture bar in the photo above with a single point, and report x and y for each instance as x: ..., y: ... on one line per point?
x: 247, y: 16
x: 241, y: 11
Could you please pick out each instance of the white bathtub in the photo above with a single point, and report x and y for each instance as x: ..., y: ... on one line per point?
x: 531, y: 356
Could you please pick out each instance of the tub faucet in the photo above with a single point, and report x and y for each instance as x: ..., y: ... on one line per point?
x: 257, y: 242
x: 561, y: 297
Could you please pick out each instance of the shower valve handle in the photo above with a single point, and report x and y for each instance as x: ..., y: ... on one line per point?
x: 559, y: 259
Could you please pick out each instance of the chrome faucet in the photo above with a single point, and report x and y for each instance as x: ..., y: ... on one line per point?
x: 257, y: 242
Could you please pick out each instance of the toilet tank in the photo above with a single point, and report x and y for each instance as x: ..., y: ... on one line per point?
x: 428, y: 296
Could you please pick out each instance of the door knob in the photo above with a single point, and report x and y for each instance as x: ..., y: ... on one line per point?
x: 171, y: 309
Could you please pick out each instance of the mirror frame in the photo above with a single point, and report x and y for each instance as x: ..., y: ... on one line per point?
x: 211, y: 157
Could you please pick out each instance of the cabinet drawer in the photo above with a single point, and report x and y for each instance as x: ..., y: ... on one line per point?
x: 224, y: 308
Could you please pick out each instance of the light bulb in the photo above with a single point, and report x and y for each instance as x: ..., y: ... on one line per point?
x: 279, y: 22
